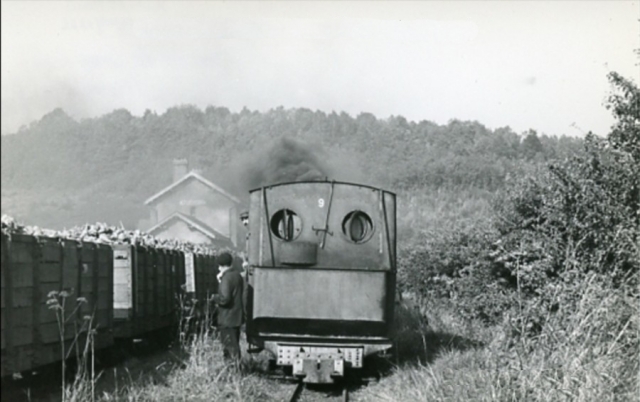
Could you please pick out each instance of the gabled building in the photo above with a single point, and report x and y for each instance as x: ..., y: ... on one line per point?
x: 194, y: 209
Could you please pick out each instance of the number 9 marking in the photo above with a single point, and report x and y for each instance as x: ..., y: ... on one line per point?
x: 321, y: 202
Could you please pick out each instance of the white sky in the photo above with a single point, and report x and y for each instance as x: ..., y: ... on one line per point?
x: 539, y: 64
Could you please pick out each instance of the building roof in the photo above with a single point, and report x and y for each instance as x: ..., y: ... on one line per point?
x: 193, y: 223
x: 187, y: 177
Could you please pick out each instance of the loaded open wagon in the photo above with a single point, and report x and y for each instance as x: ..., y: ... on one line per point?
x: 121, y: 291
x: 35, y: 273
x: 146, y: 282
x: 205, y: 269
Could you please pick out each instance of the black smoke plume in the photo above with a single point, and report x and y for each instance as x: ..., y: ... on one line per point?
x: 286, y: 160
x: 269, y: 161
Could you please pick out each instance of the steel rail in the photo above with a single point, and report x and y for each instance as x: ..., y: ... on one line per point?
x: 345, y: 393
x: 297, y: 392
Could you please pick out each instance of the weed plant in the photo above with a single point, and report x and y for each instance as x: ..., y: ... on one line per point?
x: 82, y: 387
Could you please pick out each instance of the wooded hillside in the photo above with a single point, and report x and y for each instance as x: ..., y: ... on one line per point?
x: 59, y: 172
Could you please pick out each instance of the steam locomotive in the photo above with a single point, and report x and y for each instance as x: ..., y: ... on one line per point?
x: 321, y: 275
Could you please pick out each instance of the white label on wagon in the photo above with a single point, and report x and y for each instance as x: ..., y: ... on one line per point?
x: 122, y: 278
x: 189, y: 270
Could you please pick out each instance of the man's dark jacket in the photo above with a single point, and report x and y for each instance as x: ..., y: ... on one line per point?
x: 229, y: 300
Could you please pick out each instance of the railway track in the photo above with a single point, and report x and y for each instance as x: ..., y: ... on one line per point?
x: 301, y: 386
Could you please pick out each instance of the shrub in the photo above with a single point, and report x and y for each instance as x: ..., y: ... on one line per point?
x: 454, y: 263
x: 572, y: 219
x: 552, y: 226
x: 441, y: 256
x: 576, y: 213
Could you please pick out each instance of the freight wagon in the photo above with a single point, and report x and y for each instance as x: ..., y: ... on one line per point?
x: 321, y: 276
x: 129, y: 291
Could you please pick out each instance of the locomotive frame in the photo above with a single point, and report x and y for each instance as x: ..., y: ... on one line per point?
x: 321, y: 275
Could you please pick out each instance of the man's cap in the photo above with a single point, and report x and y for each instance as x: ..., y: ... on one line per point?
x: 225, y: 259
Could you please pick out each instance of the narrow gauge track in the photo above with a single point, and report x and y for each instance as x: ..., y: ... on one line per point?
x: 297, y: 392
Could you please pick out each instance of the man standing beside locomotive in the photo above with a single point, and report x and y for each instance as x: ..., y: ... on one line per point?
x: 230, y: 309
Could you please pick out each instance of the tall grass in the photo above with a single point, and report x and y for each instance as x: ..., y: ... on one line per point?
x: 204, y: 377
x: 589, y: 354
x: 203, y: 374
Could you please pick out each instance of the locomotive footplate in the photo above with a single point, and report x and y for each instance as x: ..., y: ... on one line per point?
x: 319, y: 364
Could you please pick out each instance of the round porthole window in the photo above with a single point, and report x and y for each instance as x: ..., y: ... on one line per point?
x: 357, y: 226
x: 286, y: 224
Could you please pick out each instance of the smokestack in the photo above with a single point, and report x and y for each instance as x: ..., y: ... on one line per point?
x: 180, y: 169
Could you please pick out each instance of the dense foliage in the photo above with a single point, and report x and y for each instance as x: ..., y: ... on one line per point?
x: 59, y: 171
x: 553, y: 227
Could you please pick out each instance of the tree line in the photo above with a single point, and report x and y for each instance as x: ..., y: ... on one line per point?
x: 123, y: 157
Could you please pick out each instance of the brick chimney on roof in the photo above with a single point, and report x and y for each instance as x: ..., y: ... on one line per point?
x: 180, y: 169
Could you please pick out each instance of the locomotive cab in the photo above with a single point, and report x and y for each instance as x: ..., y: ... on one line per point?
x: 322, y: 274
